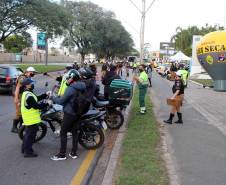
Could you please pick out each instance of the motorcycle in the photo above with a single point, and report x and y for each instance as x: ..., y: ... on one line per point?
x: 91, y: 125
x: 114, y: 117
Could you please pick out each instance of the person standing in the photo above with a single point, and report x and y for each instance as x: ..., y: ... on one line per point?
x: 108, y: 78
x: 178, y: 94
x: 29, y: 73
x: 149, y: 72
x: 142, y: 82
x: 70, y: 118
x: 30, y: 110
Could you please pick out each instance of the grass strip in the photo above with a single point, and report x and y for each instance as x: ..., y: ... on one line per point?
x: 42, y: 68
x: 141, y: 162
x: 205, y: 82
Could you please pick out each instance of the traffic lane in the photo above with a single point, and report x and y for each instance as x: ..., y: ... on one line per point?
x: 15, y: 169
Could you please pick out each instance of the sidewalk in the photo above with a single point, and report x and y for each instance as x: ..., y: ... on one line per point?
x: 199, y: 146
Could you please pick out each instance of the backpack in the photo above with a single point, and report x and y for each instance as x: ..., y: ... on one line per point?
x: 81, y: 103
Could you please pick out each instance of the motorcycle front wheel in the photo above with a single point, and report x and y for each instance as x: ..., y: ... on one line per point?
x: 41, y: 133
x: 91, y: 137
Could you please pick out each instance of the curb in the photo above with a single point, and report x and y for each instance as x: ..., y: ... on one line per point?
x: 91, y: 169
x: 199, y: 84
x: 115, y: 153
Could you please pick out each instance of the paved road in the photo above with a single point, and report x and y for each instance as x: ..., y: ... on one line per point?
x: 14, y: 169
x: 199, y: 145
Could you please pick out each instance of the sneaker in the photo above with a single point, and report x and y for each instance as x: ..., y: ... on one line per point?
x: 59, y: 157
x: 73, y: 155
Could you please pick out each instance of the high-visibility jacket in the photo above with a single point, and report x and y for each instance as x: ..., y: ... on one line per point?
x: 63, y: 85
x: 143, y: 78
x: 30, y: 116
x: 184, y: 75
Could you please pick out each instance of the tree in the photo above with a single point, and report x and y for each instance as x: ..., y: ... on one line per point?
x: 18, y: 15
x: 16, y: 43
x: 183, y: 37
x: 94, y: 30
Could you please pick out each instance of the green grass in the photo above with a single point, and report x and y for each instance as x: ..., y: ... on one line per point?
x: 141, y: 162
x: 41, y: 68
x: 206, y: 82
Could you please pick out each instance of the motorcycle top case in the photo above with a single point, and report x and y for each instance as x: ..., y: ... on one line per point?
x: 120, y: 92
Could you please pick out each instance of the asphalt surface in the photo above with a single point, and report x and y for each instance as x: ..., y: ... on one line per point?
x: 17, y: 170
x: 199, y: 146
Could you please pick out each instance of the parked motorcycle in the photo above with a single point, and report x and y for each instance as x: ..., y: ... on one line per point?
x: 91, y: 125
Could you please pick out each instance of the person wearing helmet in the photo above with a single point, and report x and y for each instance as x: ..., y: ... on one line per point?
x: 88, y: 77
x: 29, y: 73
x: 70, y: 114
x: 178, y: 93
x: 30, y: 110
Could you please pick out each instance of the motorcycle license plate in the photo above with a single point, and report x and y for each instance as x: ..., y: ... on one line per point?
x: 104, y: 125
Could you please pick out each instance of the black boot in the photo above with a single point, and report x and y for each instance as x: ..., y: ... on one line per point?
x: 14, y: 128
x: 169, y: 121
x: 180, y: 121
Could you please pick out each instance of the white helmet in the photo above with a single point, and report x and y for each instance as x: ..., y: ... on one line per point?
x: 178, y: 73
x: 31, y: 69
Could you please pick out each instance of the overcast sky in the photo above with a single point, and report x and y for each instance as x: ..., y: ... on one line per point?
x: 165, y: 16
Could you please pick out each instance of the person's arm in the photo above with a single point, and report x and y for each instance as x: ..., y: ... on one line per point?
x: 175, y: 94
x: 42, y: 96
x: 61, y: 100
x: 17, y: 91
x: 31, y: 103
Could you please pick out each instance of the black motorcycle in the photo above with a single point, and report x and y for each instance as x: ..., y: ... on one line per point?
x: 114, y: 117
x: 91, y: 125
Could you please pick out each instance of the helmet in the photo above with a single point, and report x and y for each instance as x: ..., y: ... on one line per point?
x: 178, y: 74
x: 86, y: 73
x: 74, y: 74
x: 31, y: 69
x: 68, y: 67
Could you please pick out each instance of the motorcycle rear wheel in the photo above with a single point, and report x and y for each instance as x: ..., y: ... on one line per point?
x: 41, y: 133
x: 114, y: 119
x: 91, y: 137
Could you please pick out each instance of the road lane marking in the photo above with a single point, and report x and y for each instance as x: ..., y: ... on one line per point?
x: 79, y: 176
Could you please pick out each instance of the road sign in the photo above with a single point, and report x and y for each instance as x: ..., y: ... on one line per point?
x: 41, y: 40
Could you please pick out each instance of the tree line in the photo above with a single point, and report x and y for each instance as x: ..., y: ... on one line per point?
x: 182, y: 39
x: 83, y: 25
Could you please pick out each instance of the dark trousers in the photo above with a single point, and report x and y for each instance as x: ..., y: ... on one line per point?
x: 29, y: 138
x: 142, y: 94
x: 149, y: 79
x: 70, y: 124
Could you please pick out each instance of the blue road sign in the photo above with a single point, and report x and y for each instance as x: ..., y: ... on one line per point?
x: 41, y: 40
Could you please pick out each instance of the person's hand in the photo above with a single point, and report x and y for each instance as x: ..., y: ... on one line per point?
x: 49, y: 102
x: 49, y: 93
x: 16, y: 101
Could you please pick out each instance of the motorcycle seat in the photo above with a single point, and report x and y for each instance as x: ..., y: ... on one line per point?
x: 90, y: 114
x: 99, y: 103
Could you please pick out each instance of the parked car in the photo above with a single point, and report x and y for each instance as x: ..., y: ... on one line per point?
x: 8, y: 76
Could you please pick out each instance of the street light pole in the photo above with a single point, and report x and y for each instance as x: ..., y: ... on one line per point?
x: 142, y: 28
x: 142, y: 31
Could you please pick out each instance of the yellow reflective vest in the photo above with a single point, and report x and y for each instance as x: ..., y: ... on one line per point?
x: 143, y: 78
x: 30, y: 116
x: 63, y: 85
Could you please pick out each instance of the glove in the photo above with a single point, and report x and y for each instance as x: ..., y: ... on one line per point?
x: 49, y: 93
x: 50, y: 102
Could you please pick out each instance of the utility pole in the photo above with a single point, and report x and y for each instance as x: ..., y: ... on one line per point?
x: 143, y: 12
x: 142, y: 31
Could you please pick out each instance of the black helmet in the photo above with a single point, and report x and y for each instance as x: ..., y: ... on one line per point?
x: 86, y: 73
x: 74, y: 74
